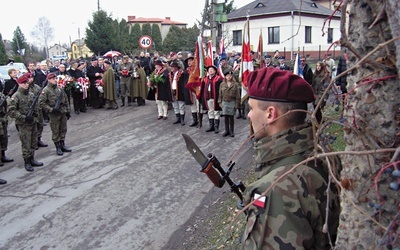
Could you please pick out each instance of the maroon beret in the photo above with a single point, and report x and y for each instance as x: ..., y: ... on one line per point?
x: 51, y: 75
x: 172, y: 53
x: 22, y: 79
x: 271, y: 84
x: 28, y: 74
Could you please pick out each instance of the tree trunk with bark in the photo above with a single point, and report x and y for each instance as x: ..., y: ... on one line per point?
x: 370, y: 195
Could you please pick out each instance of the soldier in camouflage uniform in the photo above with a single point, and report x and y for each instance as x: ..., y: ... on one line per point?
x: 19, y: 106
x: 51, y: 95
x: 35, y: 89
x: 292, y: 214
x: 3, y: 130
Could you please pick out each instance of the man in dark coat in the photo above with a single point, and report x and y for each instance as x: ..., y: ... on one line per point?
x: 94, y: 73
x: 307, y: 71
x: 79, y: 105
x: 163, y: 90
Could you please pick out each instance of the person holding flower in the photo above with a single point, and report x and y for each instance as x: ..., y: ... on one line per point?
x: 159, y: 80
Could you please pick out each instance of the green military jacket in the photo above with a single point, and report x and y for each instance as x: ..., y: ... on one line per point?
x: 19, y: 104
x: 292, y: 215
x: 49, y: 96
x: 229, y: 94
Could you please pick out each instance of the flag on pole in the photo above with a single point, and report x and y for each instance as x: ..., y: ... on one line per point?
x: 221, y: 55
x: 297, y: 69
x: 246, y: 63
x: 260, y: 50
x: 209, y: 57
x: 196, y: 70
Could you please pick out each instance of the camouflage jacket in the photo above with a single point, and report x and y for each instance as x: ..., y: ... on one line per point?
x: 293, y: 213
x: 19, y: 105
x: 48, y: 99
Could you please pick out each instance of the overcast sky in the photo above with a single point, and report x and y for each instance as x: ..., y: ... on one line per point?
x: 67, y: 17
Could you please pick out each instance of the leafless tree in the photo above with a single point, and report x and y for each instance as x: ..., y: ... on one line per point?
x: 44, y: 33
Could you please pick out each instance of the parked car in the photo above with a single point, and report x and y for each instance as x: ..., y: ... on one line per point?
x: 4, y: 72
x: 22, y: 68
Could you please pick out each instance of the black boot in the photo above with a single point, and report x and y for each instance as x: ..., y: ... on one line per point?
x: 227, y: 132
x: 63, y: 147
x: 243, y: 115
x: 58, y: 148
x: 195, y: 122
x: 142, y: 101
x: 2, y: 182
x: 239, y: 114
x: 231, y: 126
x: 216, y: 126
x: 4, y: 158
x: 211, y: 128
x: 178, y: 119
x: 1, y: 164
x: 200, y: 120
x: 28, y: 165
x: 41, y: 144
x: 123, y: 101
x: 129, y: 101
x: 35, y: 163
x: 183, y: 120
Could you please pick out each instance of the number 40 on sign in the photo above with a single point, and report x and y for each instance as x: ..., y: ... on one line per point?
x: 145, y: 42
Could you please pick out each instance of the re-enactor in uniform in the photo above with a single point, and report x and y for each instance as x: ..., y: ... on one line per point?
x: 19, y: 108
x: 292, y: 214
x: 59, y: 114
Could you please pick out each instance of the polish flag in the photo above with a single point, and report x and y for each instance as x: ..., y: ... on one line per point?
x: 246, y: 62
x: 259, y: 201
x: 209, y: 57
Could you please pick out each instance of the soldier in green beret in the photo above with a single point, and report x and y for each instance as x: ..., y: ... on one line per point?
x: 291, y: 213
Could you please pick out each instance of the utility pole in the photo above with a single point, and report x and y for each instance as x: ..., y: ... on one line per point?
x: 214, y: 25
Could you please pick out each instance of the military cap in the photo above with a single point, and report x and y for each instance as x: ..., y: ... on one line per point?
x: 174, y: 64
x: 22, y: 79
x: 51, y: 75
x: 271, y: 84
x: 230, y: 72
x: 267, y: 57
x: 125, y: 57
x: 281, y: 58
x: 107, y: 62
x: 94, y: 58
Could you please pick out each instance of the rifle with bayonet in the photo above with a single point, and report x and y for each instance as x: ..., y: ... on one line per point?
x: 211, y: 166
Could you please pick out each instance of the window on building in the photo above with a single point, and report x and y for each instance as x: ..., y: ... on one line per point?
x: 330, y: 35
x: 273, y: 35
x: 308, y: 34
x: 237, y: 37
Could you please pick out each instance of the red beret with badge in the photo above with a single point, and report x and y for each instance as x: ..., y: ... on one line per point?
x: 51, y: 75
x: 271, y: 84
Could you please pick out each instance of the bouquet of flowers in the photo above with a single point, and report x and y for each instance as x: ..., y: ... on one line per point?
x: 65, y: 82
x: 82, y: 85
x: 125, y: 72
x: 154, y: 79
x: 100, y: 86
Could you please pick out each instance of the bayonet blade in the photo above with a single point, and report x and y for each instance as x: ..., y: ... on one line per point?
x: 194, y: 150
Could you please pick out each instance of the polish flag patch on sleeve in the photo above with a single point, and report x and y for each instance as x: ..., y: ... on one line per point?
x: 259, y: 201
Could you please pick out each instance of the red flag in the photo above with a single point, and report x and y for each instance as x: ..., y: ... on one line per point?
x: 196, y: 70
x: 209, y: 57
x: 260, y: 50
x: 247, y: 62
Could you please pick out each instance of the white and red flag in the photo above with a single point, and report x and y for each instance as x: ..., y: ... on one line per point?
x: 209, y: 57
x: 247, y: 61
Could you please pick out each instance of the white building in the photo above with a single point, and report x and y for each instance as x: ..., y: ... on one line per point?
x: 286, y: 26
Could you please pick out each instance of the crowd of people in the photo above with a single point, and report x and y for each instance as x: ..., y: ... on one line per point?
x: 277, y: 217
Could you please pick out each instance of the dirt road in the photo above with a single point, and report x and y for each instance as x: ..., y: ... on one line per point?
x: 129, y: 183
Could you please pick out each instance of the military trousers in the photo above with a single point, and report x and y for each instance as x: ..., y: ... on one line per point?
x: 125, y: 85
x: 58, y: 125
x: 28, y: 137
x: 3, y: 136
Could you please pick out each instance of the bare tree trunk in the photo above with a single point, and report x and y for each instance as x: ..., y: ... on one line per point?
x: 369, y: 206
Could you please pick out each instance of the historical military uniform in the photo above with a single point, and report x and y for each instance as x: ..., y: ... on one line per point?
x: 51, y: 95
x: 229, y: 100
x: 125, y: 71
x: 19, y: 106
x: 139, y: 85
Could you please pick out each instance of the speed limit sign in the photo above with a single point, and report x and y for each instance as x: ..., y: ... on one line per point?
x: 145, y: 42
